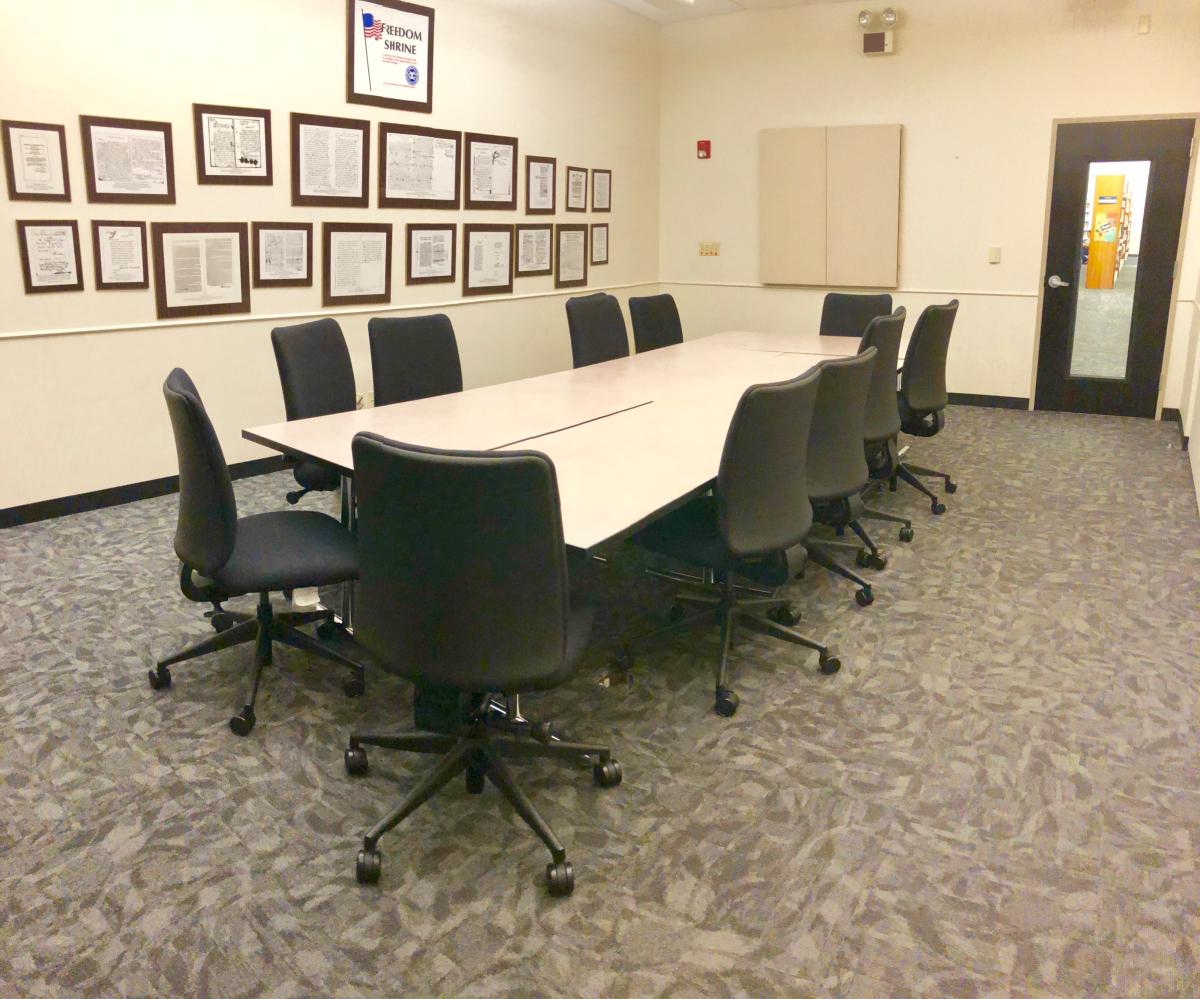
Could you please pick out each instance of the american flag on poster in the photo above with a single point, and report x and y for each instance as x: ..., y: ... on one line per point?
x: 371, y: 27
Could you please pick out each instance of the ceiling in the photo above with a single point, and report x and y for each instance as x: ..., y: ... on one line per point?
x: 678, y: 10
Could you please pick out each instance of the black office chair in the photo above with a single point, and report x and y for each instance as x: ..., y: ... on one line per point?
x: 317, y: 379
x: 226, y: 556
x: 837, y: 466
x: 882, y: 425
x: 923, y: 396
x: 597, y: 329
x: 655, y: 322
x: 464, y: 586
x: 413, y: 358
x: 753, y: 525
x: 848, y: 315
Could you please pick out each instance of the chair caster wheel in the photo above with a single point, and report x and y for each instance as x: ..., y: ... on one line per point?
x: 560, y: 879
x: 937, y: 507
x: 475, y: 779
x: 951, y: 486
x: 221, y: 621
x: 862, y: 558
x: 327, y: 630
x: 607, y: 774
x: 726, y: 703
x: 864, y: 598
x: 787, y: 615
x: 878, y: 561
x: 243, y: 723
x: 160, y: 678
x: 906, y: 534
x: 675, y: 613
x: 369, y: 867
x: 356, y: 761
x: 354, y: 686
x: 829, y: 665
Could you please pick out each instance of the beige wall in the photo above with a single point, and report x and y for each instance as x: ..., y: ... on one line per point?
x: 84, y: 410
x: 976, y: 86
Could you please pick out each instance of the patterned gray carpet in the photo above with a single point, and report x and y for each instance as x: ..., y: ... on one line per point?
x: 996, y: 796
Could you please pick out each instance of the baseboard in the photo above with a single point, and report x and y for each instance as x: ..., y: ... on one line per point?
x: 98, y: 499
x: 1171, y: 415
x: 990, y: 401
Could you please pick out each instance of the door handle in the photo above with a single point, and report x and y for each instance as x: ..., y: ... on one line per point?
x: 1054, y: 281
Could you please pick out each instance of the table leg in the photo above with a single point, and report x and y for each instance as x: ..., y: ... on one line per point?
x: 350, y: 522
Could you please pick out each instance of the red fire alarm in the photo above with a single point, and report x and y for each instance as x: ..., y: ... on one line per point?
x: 704, y: 149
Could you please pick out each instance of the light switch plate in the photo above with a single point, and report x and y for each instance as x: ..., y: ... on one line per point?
x: 710, y: 249
x: 993, y: 254
x: 1143, y: 27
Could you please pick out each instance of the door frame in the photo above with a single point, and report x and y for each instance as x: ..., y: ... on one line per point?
x: 1183, y: 238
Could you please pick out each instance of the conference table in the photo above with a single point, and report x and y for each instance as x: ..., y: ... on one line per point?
x: 630, y: 438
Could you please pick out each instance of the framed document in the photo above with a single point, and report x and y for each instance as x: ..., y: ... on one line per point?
x: 50, y: 256
x: 431, y: 250
x: 577, y: 185
x: 233, y: 145
x: 389, y: 54
x: 487, y: 259
x: 599, y: 243
x: 602, y: 190
x: 418, y: 167
x: 35, y: 161
x: 491, y: 168
x: 539, y: 184
x: 330, y: 158
x: 357, y: 264
x: 119, y: 254
x: 534, y: 249
x: 570, y: 256
x: 128, y: 161
x: 282, y: 254
x: 200, y: 268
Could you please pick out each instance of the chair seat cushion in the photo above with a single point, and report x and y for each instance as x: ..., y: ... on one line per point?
x: 318, y: 477
x: 287, y: 550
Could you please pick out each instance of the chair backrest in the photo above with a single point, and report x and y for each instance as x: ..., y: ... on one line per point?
x: 463, y: 571
x: 597, y: 329
x: 414, y: 357
x: 314, y: 369
x: 848, y: 315
x: 837, y: 464
x: 883, y: 412
x: 207, y: 527
x: 655, y: 322
x: 762, y: 495
x: 923, y: 381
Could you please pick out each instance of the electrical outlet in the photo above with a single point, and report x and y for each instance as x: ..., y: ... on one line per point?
x: 710, y: 249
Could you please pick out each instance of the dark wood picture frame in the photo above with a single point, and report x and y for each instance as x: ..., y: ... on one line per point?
x: 592, y: 261
x: 327, y: 231
x: 526, y: 227
x: 558, y: 230
x: 256, y: 229
x: 592, y: 181
x: 10, y: 172
x: 86, y: 121
x: 567, y: 189
x: 495, y: 206
x: 101, y: 284
x: 27, y: 272
x: 361, y: 200
x: 469, y: 229
x: 224, y: 110
x: 387, y: 128
x: 354, y: 38
x: 409, y: 229
x: 164, y: 311
x: 553, y: 161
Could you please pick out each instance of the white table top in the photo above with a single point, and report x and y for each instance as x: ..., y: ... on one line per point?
x: 803, y: 343
x: 628, y: 437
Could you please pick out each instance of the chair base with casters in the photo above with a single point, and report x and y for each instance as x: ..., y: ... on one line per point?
x: 840, y: 514
x: 923, y: 425
x: 479, y: 749
x: 882, y: 460
x: 720, y: 603
x: 263, y: 628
